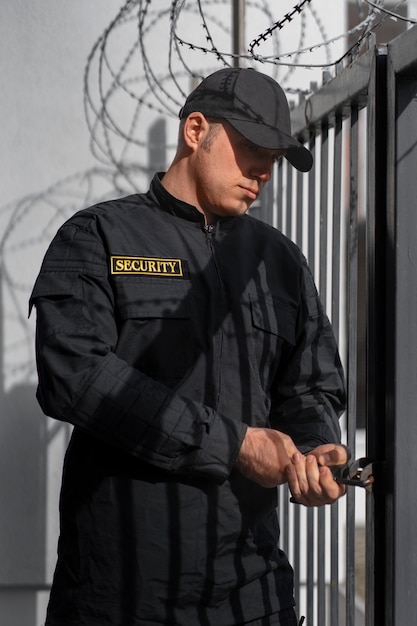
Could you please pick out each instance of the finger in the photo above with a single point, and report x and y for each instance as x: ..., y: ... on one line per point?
x: 303, y: 477
x: 313, y: 474
x: 322, y: 488
x: 314, y: 496
x: 331, y: 454
x: 330, y: 489
x: 293, y: 481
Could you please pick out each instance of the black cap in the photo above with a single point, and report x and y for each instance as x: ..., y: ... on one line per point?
x: 255, y: 105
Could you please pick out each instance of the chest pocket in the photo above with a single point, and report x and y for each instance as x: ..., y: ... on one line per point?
x: 273, y: 331
x: 155, y: 326
x: 274, y: 316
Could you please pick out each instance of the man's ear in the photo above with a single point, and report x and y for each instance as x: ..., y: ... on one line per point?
x: 196, y: 126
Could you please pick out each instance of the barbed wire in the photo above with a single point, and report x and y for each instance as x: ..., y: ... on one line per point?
x: 379, y: 8
x: 159, y: 88
x: 288, y: 17
x: 139, y: 71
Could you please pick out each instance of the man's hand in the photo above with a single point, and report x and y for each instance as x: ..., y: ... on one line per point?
x: 270, y: 458
x: 265, y: 455
x: 310, y: 478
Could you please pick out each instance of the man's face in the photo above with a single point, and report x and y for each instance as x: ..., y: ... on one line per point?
x: 230, y: 172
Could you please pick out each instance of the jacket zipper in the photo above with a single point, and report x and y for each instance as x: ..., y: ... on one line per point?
x: 217, y: 337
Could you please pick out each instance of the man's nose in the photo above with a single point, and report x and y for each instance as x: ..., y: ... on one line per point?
x: 262, y: 170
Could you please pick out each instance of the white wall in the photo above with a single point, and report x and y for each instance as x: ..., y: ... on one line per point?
x: 43, y: 50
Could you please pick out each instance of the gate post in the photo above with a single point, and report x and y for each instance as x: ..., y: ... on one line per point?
x: 376, y: 562
x: 401, y: 332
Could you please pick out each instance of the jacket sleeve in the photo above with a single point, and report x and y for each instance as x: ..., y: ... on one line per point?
x: 309, y: 391
x: 82, y: 381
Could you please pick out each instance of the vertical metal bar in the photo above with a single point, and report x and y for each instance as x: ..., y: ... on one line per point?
x: 310, y: 566
x: 286, y: 519
x: 311, y: 259
x: 402, y: 458
x: 312, y: 208
x: 289, y: 203
x: 324, y: 218
x: 2, y: 331
x: 299, y: 210
x: 336, y: 234
x: 280, y: 197
x: 321, y: 562
x: 323, y: 270
x: 376, y: 569
x: 238, y: 21
x: 157, y: 146
x: 352, y: 359
x: 334, y: 565
x: 337, y: 284
x: 297, y: 553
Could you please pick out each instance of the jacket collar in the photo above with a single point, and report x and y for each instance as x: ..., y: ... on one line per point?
x: 170, y: 204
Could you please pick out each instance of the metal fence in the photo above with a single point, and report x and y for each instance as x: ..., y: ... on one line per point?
x: 355, y: 218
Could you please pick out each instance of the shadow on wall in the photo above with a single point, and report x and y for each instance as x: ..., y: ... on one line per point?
x: 23, y: 450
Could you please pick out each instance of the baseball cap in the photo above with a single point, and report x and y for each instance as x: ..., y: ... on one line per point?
x: 255, y: 105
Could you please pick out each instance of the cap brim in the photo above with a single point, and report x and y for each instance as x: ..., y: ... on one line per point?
x: 273, y: 139
x: 300, y: 158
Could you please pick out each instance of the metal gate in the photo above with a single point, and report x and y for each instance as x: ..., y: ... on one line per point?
x: 355, y: 218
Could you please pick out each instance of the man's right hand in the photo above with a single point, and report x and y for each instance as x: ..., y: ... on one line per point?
x: 264, y: 456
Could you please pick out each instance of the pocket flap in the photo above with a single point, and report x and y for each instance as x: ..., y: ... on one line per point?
x: 55, y: 284
x: 274, y: 316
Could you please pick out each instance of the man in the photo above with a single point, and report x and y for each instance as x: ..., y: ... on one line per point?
x: 186, y: 343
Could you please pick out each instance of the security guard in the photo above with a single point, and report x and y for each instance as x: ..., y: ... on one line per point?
x: 185, y: 342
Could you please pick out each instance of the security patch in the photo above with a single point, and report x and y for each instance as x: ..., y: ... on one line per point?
x: 145, y: 266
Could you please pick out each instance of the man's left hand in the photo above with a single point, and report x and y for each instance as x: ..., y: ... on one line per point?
x: 310, y: 478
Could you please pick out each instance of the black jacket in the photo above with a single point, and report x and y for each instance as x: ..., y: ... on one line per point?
x: 160, y: 341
